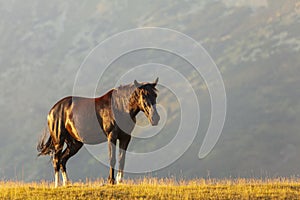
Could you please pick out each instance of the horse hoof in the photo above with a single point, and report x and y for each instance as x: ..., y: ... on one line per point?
x: 111, y: 181
x: 67, y: 184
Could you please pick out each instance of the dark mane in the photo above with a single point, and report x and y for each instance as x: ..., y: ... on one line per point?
x: 124, y: 95
x: 125, y: 90
x: 121, y: 96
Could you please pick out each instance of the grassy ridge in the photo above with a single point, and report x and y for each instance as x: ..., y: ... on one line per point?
x: 157, y: 189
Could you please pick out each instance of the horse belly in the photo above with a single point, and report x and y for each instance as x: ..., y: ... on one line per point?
x: 87, y: 125
x: 92, y: 136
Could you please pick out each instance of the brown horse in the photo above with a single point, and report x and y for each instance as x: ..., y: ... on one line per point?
x: 78, y: 120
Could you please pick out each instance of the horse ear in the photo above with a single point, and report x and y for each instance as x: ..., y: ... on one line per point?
x: 137, y: 84
x: 155, y: 82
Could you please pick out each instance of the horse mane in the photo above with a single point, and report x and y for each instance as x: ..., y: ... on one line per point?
x: 122, y: 96
x: 126, y: 95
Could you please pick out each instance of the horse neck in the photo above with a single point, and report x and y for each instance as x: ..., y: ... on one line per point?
x: 133, y: 106
x: 123, y: 103
x: 134, y: 112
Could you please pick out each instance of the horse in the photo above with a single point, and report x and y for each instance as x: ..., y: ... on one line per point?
x: 76, y: 121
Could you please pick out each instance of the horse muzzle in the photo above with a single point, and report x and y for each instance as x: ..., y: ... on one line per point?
x: 155, y: 119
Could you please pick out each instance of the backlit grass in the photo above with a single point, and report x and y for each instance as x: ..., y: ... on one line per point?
x: 157, y: 189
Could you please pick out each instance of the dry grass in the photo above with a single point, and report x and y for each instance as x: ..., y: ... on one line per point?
x: 151, y: 188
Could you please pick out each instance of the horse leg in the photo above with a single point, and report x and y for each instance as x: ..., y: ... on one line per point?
x: 63, y: 166
x: 56, y: 163
x: 72, y: 148
x: 124, y: 141
x: 112, y: 157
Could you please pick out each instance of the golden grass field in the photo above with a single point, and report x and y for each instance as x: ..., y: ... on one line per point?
x: 150, y: 188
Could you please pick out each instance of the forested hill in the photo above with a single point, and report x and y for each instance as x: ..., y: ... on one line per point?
x: 256, y: 46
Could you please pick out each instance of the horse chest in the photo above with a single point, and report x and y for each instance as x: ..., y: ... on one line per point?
x: 106, y: 120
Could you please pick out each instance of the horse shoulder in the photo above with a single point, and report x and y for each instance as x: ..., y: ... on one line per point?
x: 104, y: 111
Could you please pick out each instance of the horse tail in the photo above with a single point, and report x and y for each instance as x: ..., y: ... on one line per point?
x: 43, y: 147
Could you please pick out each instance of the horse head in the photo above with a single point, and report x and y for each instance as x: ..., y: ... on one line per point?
x: 147, y: 94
